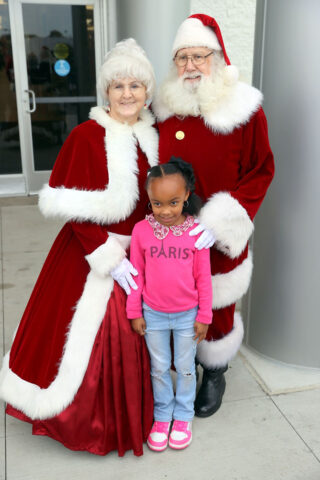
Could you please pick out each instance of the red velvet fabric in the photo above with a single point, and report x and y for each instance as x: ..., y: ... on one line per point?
x: 82, y: 164
x: 222, y: 322
x: 38, y: 344
x: 239, y: 162
x: 113, y: 409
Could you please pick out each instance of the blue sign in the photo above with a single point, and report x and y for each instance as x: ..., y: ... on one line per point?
x: 62, y: 68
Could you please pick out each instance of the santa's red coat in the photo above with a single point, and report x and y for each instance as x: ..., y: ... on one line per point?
x: 76, y: 370
x: 229, y: 150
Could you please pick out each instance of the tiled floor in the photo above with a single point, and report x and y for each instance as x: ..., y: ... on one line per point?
x: 254, y: 436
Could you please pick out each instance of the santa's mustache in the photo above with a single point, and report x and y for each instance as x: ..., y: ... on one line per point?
x: 191, y: 75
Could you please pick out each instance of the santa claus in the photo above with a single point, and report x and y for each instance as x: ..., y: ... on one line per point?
x: 212, y: 120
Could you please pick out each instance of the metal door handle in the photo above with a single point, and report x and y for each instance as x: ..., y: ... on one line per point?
x: 34, y: 105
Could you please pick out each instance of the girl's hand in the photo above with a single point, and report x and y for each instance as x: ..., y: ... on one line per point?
x: 200, y: 331
x: 139, y: 325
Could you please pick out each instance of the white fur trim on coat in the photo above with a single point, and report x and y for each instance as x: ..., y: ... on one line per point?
x: 218, y: 353
x: 222, y: 111
x: 235, y: 109
x: 106, y: 257
x: 143, y: 131
x: 119, y: 199
x: 229, y: 222
x: 229, y: 287
x: 39, y: 403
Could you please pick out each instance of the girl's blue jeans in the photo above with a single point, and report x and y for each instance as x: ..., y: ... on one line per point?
x: 158, y: 333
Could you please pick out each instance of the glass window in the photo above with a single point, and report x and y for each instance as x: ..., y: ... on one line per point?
x: 60, y: 55
x: 10, y: 156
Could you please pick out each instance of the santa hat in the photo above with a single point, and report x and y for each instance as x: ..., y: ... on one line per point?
x: 200, y: 30
x: 126, y: 59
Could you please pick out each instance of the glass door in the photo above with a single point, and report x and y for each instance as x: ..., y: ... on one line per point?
x: 59, y: 51
x: 10, y: 155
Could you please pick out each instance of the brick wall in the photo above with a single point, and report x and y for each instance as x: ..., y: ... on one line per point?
x: 236, y: 19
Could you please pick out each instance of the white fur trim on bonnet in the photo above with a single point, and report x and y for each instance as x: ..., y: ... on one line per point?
x: 126, y: 59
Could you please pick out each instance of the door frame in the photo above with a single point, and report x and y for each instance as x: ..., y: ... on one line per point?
x: 30, y: 181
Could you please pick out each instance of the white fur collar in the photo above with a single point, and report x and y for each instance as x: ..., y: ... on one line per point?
x: 119, y: 199
x: 142, y: 130
x: 222, y: 107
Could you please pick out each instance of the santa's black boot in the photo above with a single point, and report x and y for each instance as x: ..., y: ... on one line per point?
x: 197, y: 363
x: 210, y: 395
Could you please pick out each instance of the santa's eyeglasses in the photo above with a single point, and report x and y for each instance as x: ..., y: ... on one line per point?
x: 196, y: 59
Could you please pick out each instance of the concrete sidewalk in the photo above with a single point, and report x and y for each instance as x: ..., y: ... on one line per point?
x: 254, y: 436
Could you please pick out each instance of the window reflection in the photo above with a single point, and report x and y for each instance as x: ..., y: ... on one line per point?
x: 60, y: 32
x: 10, y: 157
x: 53, y: 33
x: 61, y: 66
x: 49, y: 135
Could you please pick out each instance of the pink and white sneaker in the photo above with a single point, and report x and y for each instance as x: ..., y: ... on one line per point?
x: 181, y: 435
x: 158, y: 437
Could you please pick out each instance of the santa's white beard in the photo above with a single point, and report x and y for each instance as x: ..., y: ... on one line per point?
x: 189, y: 85
x: 185, y: 98
x: 177, y: 96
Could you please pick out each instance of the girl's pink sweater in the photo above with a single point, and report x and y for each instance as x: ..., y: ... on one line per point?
x: 173, y: 275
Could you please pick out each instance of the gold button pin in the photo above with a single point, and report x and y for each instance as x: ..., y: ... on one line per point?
x: 180, y: 135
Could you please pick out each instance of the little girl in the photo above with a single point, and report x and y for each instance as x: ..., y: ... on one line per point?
x: 174, y: 294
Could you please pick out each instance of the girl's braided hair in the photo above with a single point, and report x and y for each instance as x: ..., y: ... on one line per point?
x: 177, y: 165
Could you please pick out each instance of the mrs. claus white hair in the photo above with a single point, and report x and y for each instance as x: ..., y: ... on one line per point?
x: 126, y: 59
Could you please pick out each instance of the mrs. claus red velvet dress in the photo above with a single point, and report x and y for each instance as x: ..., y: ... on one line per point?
x: 76, y: 370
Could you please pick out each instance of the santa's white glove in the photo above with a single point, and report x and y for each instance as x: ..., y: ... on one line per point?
x: 206, y: 239
x: 123, y: 275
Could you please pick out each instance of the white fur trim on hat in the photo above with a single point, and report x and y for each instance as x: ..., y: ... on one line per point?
x: 230, y: 75
x: 126, y: 59
x: 192, y: 33
x: 218, y: 353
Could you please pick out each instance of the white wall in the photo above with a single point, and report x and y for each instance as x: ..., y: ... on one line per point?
x: 236, y: 19
x: 284, y: 308
x: 153, y: 23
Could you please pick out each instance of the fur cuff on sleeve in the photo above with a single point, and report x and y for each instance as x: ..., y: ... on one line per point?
x: 106, y: 257
x: 218, y: 353
x: 229, y: 222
